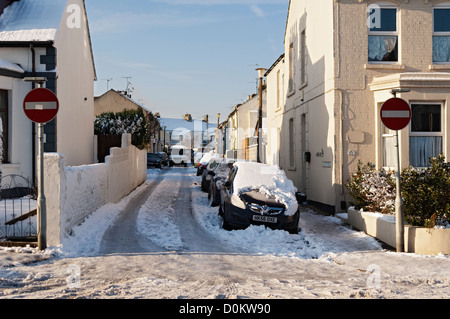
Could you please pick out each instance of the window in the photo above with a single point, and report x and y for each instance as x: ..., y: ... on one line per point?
x: 291, y: 144
x: 441, y: 34
x: 279, y: 90
x: 383, y: 33
x: 303, y: 57
x: 388, y: 147
x: 426, y: 137
x: 291, y: 68
x: 4, y: 117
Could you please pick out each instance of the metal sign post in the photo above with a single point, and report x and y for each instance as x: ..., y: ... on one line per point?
x: 41, y: 106
x: 396, y: 115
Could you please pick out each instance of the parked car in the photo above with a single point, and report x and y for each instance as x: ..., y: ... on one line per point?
x: 218, y: 176
x: 164, y: 158
x: 154, y: 160
x: 197, y: 157
x: 203, y: 162
x: 206, y: 177
x: 259, y: 194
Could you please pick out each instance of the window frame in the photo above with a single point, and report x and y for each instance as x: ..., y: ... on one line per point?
x: 429, y: 134
x: 292, y: 163
x: 291, y: 81
x: 396, y: 33
x: 383, y: 145
x: 303, y: 76
x: 439, y: 6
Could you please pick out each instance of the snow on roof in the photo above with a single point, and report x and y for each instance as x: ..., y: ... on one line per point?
x: 31, y: 20
x: 269, y: 180
x: 172, y: 124
x: 5, y: 65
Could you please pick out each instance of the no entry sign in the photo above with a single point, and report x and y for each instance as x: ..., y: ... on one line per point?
x: 395, y: 114
x: 41, y: 105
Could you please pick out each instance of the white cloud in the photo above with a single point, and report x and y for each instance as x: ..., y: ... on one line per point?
x: 257, y: 10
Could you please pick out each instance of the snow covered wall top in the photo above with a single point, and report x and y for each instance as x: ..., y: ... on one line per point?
x: 31, y: 20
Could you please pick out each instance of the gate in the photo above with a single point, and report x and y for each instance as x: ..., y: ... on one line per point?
x: 18, y: 210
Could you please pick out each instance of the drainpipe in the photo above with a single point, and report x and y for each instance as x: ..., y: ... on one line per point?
x: 33, y: 126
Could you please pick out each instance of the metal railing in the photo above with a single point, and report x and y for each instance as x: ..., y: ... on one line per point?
x: 18, y: 214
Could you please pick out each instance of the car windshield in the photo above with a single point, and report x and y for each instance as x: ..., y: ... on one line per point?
x: 224, y: 169
x: 153, y: 155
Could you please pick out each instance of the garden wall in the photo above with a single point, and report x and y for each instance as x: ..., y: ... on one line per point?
x: 73, y: 193
x: 420, y: 240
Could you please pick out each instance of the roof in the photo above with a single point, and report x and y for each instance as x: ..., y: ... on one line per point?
x: 112, y: 91
x: 31, y: 20
x: 172, y: 124
x: 35, y: 21
x: 275, y: 64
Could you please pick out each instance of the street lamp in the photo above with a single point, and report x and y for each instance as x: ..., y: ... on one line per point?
x: 261, y: 73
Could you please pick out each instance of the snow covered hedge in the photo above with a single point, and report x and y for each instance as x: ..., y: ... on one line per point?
x: 425, y: 192
x: 373, y: 190
x: 127, y: 121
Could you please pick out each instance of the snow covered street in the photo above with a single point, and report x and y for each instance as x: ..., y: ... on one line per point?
x: 165, y: 241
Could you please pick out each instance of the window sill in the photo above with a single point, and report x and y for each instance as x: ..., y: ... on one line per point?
x: 439, y: 67
x: 382, y: 66
x: 293, y: 169
x: 290, y: 93
x: 303, y: 85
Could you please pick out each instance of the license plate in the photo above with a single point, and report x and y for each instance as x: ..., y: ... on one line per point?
x: 265, y: 219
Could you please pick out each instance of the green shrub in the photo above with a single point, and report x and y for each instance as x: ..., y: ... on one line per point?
x: 425, y: 192
x: 127, y: 121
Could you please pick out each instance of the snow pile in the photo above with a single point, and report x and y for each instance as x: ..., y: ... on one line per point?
x: 29, y: 20
x: 6, y: 65
x: 207, y: 157
x: 268, y: 180
x: 319, y: 236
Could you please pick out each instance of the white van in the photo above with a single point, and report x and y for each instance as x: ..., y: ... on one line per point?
x: 180, y: 155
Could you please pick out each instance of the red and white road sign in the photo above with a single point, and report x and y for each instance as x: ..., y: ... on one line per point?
x: 395, y: 114
x: 41, y: 105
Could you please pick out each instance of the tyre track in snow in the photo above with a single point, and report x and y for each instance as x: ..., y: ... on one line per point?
x: 122, y: 236
x: 202, y: 249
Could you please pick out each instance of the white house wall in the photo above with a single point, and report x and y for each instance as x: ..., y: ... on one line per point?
x: 75, y: 90
x: 313, y: 98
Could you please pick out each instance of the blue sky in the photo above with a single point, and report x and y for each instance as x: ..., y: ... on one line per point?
x: 186, y: 56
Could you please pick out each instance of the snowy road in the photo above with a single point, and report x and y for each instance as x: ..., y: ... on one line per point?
x: 164, y: 241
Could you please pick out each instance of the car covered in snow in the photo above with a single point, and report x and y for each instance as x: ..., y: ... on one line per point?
x: 206, y: 176
x: 218, y: 177
x: 259, y: 194
x: 204, y: 161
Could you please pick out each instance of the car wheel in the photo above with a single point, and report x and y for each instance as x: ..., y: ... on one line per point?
x: 226, y: 225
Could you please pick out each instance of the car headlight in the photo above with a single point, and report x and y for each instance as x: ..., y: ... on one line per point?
x: 237, y: 202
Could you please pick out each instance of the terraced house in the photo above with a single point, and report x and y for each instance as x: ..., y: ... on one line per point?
x: 48, y: 39
x: 342, y: 61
